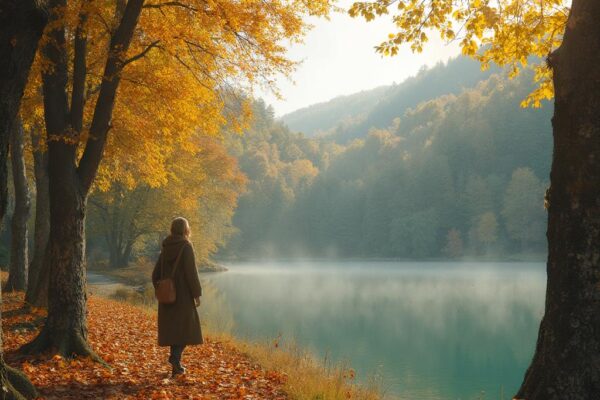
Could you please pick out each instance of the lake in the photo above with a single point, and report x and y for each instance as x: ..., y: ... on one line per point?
x: 432, y: 330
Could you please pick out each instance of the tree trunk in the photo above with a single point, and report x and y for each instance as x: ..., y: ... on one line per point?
x: 37, y: 288
x: 17, y: 278
x: 120, y: 254
x: 113, y: 255
x: 66, y: 325
x: 126, y: 256
x: 22, y: 24
x: 37, y: 295
x: 566, y: 364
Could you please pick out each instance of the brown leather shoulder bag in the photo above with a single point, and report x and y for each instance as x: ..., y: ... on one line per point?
x: 165, y: 287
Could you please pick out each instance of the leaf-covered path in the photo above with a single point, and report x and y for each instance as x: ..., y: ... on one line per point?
x: 125, y: 337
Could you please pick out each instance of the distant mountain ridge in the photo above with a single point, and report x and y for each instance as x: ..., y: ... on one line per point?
x: 348, y: 117
x: 319, y: 118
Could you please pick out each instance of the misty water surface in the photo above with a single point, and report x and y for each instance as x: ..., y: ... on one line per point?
x: 432, y: 330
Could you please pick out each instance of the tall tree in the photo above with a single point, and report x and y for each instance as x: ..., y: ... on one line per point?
x: 19, y: 247
x: 454, y: 244
x: 567, y: 356
x: 214, y: 43
x: 37, y: 289
x: 66, y: 328
x: 22, y: 22
x: 485, y: 230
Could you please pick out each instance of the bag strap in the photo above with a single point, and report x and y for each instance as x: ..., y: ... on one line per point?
x: 162, y: 262
x: 177, y: 261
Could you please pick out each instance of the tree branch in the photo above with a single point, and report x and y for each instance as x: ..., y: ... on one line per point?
x: 79, y: 72
x: 142, y: 54
x: 119, y: 44
x: 171, y: 4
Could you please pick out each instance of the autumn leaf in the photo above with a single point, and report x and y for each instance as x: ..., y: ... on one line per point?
x: 125, y: 336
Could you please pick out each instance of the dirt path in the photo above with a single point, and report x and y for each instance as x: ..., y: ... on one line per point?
x: 125, y: 336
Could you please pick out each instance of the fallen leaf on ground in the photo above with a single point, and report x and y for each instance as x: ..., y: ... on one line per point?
x: 125, y: 336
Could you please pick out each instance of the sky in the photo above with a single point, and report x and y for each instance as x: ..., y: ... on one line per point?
x: 338, y: 58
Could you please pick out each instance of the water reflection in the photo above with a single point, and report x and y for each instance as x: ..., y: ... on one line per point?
x: 435, y: 330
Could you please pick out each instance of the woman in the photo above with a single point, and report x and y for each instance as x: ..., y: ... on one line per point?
x: 178, y: 323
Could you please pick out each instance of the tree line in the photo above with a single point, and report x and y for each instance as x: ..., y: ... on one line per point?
x: 458, y: 175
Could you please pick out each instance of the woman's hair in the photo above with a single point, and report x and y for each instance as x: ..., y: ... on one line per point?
x: 180, y: 226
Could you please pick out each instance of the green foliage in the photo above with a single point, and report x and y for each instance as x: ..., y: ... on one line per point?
x: 485, y: 229
x: 523, y: 207
x: 443, y: 179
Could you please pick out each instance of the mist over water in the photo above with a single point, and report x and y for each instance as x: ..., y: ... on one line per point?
x: 433, y: 330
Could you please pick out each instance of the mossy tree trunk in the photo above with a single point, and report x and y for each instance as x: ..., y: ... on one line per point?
x: 566, y: 364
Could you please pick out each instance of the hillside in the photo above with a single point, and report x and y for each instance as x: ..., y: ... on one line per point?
x: 319, y: 119
x: 457, y: 175
x: 348, y: 117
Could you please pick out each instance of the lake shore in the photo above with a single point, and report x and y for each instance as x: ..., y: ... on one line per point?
x: 305, y: 377
x: 414, y: 323
x: 123, y: 336
x: 517, y: 257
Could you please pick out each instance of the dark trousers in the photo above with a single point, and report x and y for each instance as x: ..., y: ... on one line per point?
x: 175, y: 357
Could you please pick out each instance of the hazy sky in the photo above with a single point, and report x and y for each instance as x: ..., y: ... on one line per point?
x: 338, y: 57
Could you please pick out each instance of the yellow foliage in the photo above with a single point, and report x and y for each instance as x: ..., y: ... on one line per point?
x: 185, y: 58
x: 202, y: 185
x: 506, y: 32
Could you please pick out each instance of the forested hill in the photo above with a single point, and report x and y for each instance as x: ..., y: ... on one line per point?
x: 456, y: 175
x: 347, y: 117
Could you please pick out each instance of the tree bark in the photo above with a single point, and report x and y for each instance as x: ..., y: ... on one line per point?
x: 566, y: 364
x: 66, y: 325
x: 120, y: 255
x: 22, y: 22
x: 37, y: 288
x: 65, y: 329
x: 19, y: 248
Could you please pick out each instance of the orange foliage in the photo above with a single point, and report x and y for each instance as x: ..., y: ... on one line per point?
x: 186, y: 57
x: 203, y: 185
x: 125, y: 336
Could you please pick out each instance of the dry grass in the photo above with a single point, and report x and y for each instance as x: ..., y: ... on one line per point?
x: 144, y: 297
x: 136, y: 275
x: 309, y: 378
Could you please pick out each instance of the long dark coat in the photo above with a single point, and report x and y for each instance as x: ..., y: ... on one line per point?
x: 178, y: 323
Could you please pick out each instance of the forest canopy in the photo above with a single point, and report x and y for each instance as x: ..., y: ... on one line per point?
x: 459, y: 174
